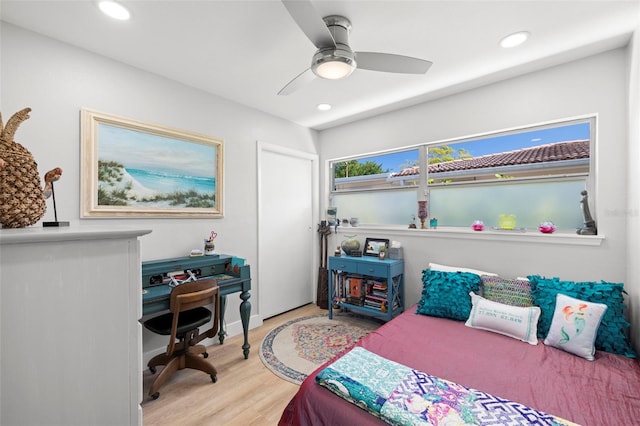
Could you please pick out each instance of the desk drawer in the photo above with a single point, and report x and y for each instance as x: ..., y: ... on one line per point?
x: 372, y: 269
x: 344, y: 265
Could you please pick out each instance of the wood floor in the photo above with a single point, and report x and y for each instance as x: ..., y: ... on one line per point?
x: 246, y: 393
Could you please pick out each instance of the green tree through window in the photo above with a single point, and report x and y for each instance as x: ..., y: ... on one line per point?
x: 355, y: 168
x: 444, y: 153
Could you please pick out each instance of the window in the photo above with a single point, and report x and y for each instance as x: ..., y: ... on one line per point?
x: 535, y: 173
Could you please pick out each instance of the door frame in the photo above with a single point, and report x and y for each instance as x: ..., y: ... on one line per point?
x: 314, y: 190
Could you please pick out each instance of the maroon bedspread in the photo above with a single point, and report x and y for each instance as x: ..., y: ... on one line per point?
x: 601, y: 392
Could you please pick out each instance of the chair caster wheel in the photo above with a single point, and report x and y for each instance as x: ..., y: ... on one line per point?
x: 155, y: 396
x: 152, y: 370
x: 214, y: 378
x: 205, y: 355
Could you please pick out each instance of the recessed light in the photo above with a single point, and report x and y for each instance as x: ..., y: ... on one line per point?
x: 324, y: 107
x: 514, y: 39
x: 114, y: 10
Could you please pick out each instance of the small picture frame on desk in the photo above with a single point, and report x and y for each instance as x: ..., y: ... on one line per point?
x: 372, y: 246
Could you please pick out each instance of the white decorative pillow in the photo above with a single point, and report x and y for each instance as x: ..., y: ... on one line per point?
x: 574, y: 326
x: 514, y: 321
x: 445, y: 268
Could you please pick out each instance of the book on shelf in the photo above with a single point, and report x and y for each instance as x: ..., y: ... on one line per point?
x: 378, y: 285
x: 381, y: 306
x: 349, y: 288
x: 355, y: 286
x: 358, y: 301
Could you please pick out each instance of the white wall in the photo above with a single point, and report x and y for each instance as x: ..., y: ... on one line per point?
x: 57, y: 80
x: 597, y: 84
x: 632, y: 213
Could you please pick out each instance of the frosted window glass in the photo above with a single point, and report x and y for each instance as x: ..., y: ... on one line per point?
x: 532, y: 203
x: 378, y: 207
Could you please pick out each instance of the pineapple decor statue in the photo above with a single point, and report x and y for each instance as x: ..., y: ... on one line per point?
x: 22, y: 200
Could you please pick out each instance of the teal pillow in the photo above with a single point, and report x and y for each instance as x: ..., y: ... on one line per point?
x: 612, y: 333
x: 446, y: 294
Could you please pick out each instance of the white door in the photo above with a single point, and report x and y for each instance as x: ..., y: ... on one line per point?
x: 287, y: 187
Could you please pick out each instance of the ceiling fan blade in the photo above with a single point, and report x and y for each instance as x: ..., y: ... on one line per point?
x: 302, y: 79
x: 310, y: 22
x: 388, y: 62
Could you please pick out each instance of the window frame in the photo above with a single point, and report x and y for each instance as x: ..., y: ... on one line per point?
x: 423, y: 186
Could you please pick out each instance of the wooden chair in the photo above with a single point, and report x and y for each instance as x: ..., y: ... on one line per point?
x: 186, y: 313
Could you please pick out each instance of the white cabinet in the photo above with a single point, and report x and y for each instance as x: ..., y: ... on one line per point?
x: 70, y: 340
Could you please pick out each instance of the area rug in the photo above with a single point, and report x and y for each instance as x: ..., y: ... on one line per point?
x: 293, y: 350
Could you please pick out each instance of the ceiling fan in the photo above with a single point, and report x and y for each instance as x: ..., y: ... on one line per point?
x: 334, y: 58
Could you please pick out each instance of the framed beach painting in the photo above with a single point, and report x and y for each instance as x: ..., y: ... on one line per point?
x: 135, y: 169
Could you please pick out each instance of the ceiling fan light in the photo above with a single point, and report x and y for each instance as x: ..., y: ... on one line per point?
x: 333, y: 64
x: 333, y: 70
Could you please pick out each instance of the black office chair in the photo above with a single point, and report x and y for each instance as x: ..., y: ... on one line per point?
x: 187, y: 313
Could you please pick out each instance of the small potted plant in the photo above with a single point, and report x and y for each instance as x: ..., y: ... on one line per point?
x: 382, y: 253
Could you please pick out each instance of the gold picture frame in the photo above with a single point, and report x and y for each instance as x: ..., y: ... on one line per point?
x: 134, y: 169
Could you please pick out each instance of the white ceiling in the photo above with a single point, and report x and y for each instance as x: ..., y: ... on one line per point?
x: 247, y: 51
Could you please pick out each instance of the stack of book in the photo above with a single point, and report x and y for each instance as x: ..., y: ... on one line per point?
x: 376, y: 296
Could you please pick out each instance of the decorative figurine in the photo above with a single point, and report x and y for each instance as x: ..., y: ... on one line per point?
x: 477, y: 225
x: 422, y: 213
x: 507, y: 221
x: 49, y: 178
x: 412, y: 224
x: 589, y: 227
x: 547, y: 227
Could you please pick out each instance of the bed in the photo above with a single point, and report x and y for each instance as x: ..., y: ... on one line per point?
x: 602, y: 391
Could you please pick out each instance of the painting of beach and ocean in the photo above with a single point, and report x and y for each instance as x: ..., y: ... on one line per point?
x: 140, y: 171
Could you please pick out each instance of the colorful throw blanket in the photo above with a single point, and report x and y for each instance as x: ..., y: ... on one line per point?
x: 400, y: 395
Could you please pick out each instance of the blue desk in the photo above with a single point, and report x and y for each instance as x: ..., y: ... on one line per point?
x: 232, y: 275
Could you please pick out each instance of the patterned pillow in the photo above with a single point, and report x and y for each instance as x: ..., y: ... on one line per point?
x: 513, y: 321
x: 612, y: 333
x: 446, y: 294
x: 574, y: 326
x: 510, y: 292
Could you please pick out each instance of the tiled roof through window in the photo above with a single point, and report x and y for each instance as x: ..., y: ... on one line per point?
x: 560, y: 151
